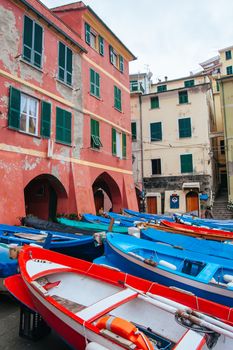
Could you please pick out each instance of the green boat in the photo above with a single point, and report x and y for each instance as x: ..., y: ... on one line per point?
x: 89, y: 226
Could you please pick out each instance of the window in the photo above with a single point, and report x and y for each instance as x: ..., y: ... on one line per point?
x: 133, y: 85
x: 185, y: 127
x: 113, y: 56
x: 183, y: 97
x: 118, y: 144
x: 217, y: 86
x: 228, y: 55
x: 117, y: 98
x: 189, y: 83
x: 65, y: 64
x: 94, y: 83
x: 23, y: 114
x: 95, y: 134
x: 90, y: 36
x: 156, y: 131
x: 154, y: 102
x: 156, y: 166
x: 63, y: 126
x: 32, y: 42
x: 121, y: 64
x: 186, y: 163
x: 101, y: 45
x: 222, y: 146
x: 134, y: 131
x: 229, y: 70
x: 161, y: 88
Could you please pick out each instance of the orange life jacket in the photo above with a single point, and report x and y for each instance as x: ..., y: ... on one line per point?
x: 126, y: 330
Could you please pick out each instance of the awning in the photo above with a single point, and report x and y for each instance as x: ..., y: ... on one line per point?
x: 189, y: 185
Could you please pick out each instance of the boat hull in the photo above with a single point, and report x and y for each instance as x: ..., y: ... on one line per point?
x: 129, y: 264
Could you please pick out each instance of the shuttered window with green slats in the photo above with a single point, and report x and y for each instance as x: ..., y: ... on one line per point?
x: 65, y: 64
x: 186, y: 163
x: 114, y: 150
x: 95, y: 134
x: 121, y: 64
x: 156, y: 131
x: 14, y: 108
x: 117, y: 98
x: 134, y: 131
x: 45, y: 119
x: 87, y: 33
x: 101, y: 45
x: 154, y: 102
x: 32, y: 42
x: 189, y: 83
x: 123, y: 145
x: 185, y: 127
x: 63, y: 126
x: 183, y: 97
x: 94, y: 83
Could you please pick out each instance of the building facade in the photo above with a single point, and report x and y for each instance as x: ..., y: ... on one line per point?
x: 64, y: 113
x: 177, y: 164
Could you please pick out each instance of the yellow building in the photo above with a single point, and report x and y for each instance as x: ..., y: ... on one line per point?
x: 175, y: 144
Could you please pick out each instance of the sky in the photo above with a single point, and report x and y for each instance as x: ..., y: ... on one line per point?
x: 168, y: 37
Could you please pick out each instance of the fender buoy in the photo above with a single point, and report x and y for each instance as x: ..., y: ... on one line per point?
x: 125, y: 329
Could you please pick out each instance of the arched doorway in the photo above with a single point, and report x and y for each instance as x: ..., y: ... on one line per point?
x: 106, y: 193
x: 41, y: 196
x: 192, y: 202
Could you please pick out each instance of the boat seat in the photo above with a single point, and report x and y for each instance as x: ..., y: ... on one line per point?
x: 106, y: 304
x: 192, y: 268
x: 68, y: 304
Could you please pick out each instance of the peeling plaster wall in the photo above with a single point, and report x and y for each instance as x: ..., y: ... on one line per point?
x: 9, y: 38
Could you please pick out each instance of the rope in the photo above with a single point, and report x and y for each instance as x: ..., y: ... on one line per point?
x: 144, y: 338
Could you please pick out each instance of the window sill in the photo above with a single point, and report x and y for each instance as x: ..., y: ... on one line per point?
x: 63, y: 143
x: 24, y: 132
x: 95, y: 149
x: 65, y: 84
x: 151, y: 109
x: 118, y: 110
x: 184, y: 103
x: 31, y: 65
x: 185, y: 137
x: 98, y: 98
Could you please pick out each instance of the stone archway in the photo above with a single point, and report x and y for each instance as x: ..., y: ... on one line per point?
x: 42, y: 195
x: 192, y: 202
x: 106, y: 193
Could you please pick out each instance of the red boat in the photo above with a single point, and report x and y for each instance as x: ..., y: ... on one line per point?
x: 198, y: 231
x: 100, y: 308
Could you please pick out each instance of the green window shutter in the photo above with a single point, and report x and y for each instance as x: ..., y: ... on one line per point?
x: 183, y: 97
x: 186, y: 161
x: 92, y: 81
x: 121, y: 63
x: 229, y: 70
x: 123, y: 145
x: 228, y: 55
x: 27, y: 39
x: 61, y: 61
x: 156, y: 131
x: 111, y: 54
x: 113, y: 141
x: 38, y: 35
x: 95, y: 134
x: 189, y: 83
x: 14, y: 108
x: 45, y: 119
x: 134, y: 130
x: 63, y: 126
x: 185, y: 127
x: 97, y: 78
x: 87, y: 33
x: 154, y: 102
x: 101, y: 45
x: 161, y: 88
x: 117, y: 98
x: 69, y: 59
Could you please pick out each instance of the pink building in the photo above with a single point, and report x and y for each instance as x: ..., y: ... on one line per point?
x: 65, y: 144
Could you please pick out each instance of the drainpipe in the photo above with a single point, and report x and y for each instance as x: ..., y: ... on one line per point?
x: 226, y: 139
x: 142, y: 154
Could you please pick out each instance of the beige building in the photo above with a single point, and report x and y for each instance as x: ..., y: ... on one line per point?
x: 175, y: 145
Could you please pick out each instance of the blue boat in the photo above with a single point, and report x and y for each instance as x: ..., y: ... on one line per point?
x: 119, y: 220
x: 179, y: 241
x: 203, y: 275
x: 80, y: 246
x: 147, y: 216
x: 8, y: 267
x: 226, y: 225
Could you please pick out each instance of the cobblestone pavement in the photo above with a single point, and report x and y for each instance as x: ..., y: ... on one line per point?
x: 9, y: 330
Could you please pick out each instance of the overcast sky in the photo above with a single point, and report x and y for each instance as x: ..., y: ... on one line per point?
x: 168, y: 37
